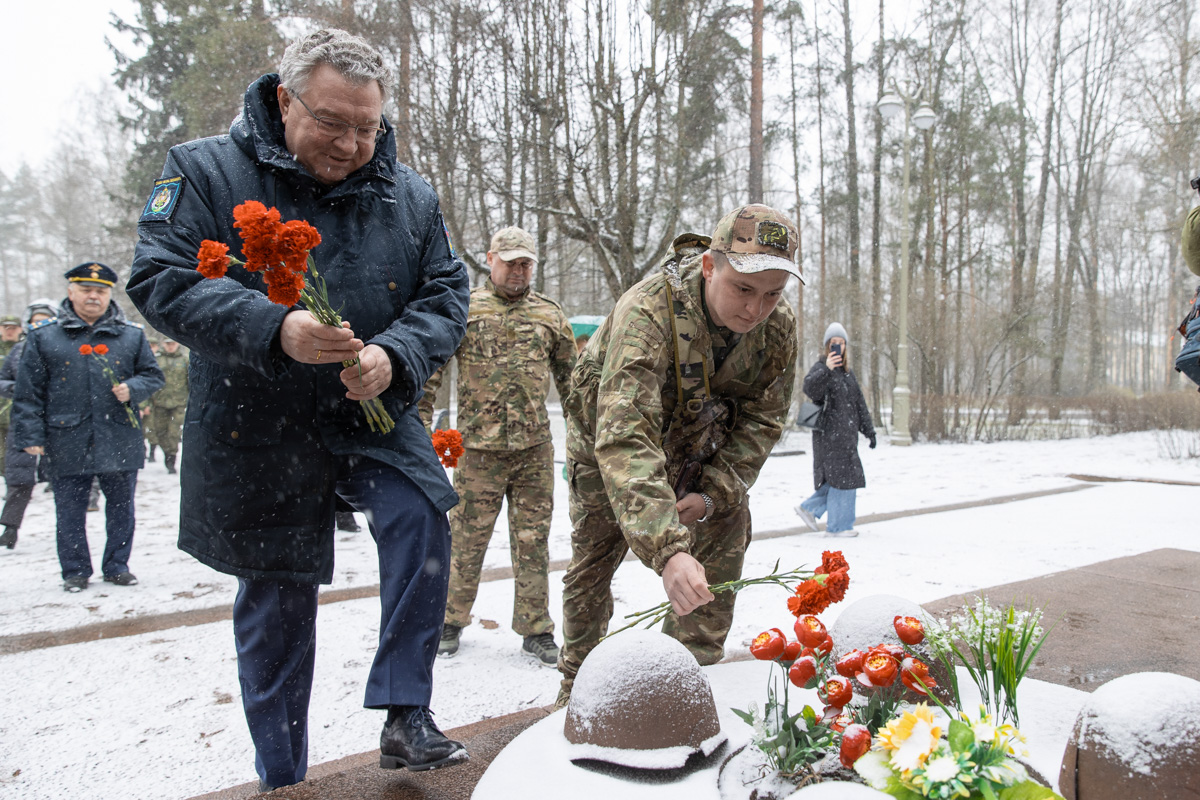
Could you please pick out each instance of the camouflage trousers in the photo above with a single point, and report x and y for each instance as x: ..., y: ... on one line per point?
x: 597, y: 549
x: 165, y: 426
x: 483, y: 479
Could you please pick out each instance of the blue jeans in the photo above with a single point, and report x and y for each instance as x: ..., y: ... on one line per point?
x: 274, y: 622
x: 70, y: 507
x: 839, y: 503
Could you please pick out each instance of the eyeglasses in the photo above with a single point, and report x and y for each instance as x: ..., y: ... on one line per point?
x: 335, y: 128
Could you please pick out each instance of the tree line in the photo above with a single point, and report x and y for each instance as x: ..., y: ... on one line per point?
x: 1044, y: 207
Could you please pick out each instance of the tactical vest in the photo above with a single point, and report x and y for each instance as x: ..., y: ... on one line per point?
x: 700, y: 424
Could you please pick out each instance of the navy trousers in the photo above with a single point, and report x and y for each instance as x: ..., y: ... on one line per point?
x: 274, y: 622
x: 70, y: 506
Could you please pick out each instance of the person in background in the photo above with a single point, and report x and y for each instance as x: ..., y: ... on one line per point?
x: 147, y: 410
x: 516, y: 341
x: 10, y: 335
x: 275, y: 434
x: 21, y: 469
x: 79, y: 383
x: 167, y: 405
x: 837, y: 470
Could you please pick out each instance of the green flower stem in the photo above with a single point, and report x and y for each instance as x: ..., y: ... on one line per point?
x: 653, y: 616
x: 315, y: 297
x: 133, y: 420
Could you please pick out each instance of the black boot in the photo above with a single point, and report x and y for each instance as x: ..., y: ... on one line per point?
x: 150, y: 457
x: 410, y: 739
x: 346, y: 522
x: 9, y: 537
x: 169, y: 460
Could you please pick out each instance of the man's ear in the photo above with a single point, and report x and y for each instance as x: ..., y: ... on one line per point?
x: 707, y: 265
x: 285, y: 100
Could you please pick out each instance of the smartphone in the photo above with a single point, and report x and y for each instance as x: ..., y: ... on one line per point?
x: 836, y: 349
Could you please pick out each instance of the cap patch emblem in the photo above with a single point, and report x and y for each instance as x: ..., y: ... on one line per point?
x: 164, y: 199
x: 772, y: 234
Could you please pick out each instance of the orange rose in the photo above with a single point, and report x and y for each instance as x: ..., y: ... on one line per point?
x: 85, y: 349
x: 101, y: 349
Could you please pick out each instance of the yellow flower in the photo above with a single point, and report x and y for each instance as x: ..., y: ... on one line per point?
x: 910, y: 738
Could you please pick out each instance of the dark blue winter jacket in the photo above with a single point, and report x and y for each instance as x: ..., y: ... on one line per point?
x: 261, y: 430
x: 20, y: 468
x: 64, y: 400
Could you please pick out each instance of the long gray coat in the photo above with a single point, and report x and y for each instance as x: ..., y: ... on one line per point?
x: 835, y: 449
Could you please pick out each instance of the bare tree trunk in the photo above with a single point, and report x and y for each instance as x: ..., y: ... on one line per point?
x: 852, y: 199
x: 823, y: 306
x: 756, y: 102
x: 876, y: 296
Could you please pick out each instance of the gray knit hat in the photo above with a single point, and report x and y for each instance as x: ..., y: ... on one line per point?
x: 836, y: 329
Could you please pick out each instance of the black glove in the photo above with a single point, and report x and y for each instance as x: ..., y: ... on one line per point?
x: 872, y: 442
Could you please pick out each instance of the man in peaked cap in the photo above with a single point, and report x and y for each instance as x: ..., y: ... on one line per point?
x: 674, y: 406
x: 516, y: 340
x: 79, y: 383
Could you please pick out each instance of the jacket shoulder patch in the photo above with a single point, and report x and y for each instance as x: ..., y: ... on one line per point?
x: 164, y: 200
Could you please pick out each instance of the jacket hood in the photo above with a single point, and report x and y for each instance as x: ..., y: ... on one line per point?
x: 258, y: 131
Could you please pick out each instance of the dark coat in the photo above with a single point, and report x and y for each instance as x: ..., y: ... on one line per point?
x: 835, y: 448
x: 261, y: 431
x: 64, y: 400
x: 20, y: 468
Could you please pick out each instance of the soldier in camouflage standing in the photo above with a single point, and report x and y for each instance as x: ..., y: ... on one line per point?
x: 675, y: 404
x: 166, y: 407
x: 147, y: 412
x: 516, y: 339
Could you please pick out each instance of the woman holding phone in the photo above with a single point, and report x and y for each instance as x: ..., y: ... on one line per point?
x: 837, y: 471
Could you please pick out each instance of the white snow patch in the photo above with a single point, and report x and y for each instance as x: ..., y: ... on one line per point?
x: 1140, y: 718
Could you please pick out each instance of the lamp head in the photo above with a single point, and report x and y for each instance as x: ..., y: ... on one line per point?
x: 924, y: 118
x: 890, y: 105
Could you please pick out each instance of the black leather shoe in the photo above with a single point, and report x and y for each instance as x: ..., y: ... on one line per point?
x: 410, y: 739
x: 122, y: 579
x: 74, y: 584
x: 347, y: 522
x: 9, y: 537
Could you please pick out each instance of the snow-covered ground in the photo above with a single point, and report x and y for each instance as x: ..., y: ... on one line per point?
x: 158, y: 715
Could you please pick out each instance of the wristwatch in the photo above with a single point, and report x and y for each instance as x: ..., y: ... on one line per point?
x: 708, y: 507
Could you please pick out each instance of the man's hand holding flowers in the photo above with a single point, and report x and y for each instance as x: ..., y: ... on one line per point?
x: 309, y: 341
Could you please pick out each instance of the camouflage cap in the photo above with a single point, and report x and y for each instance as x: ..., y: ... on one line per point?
x: 756, y: 238
x: 10, y: 319
x: 512, y: 243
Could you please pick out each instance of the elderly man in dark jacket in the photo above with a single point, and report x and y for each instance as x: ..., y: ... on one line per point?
x: 273, y: 433
x: 79, y: 381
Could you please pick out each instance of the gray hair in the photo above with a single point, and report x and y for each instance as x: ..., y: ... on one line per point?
x: 354, y: 59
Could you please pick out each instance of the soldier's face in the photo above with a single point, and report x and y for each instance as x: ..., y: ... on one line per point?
x: 90, y: 300
x: 10, y: 333
x: 736, y: 301
x: 510, y: 277
x: 170, y: 347
x: 330, y: 159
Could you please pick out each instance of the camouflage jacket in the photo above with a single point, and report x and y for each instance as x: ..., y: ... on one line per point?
x: 624, y: 397
x: 5, y: 402
x: 505, y: 361
x: 175, y: 367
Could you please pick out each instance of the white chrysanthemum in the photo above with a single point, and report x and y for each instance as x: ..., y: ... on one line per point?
x: 941, y: 769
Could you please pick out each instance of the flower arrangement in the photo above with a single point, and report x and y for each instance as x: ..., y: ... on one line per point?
x: 281, y: 253
x: 100, y: 352
x: 997, y: 647
x: 448, y: 445
x: 916, y: 756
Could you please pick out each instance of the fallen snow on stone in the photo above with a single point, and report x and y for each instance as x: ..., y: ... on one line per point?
x: 1141, y: 718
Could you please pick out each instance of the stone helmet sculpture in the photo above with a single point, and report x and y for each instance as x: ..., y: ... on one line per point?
x: 641, y: 700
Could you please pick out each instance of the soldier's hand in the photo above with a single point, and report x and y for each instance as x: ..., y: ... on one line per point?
x: 691, y: 508
x: 36, y: 451
x: 306, y: 340
x: 121, y: 390
x: 686, y: 586
x: 371, y: 376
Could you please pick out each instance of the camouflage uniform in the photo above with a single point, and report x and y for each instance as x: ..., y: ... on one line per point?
x: 167, y: 404
x: 1191, y: 240
x: 625, y: 402
x: 5, y: 404
x: 505, y: 360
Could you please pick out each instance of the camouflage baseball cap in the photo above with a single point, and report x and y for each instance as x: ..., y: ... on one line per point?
x: 512, y: 243
x: 756, y: 238
x: 10, y: 319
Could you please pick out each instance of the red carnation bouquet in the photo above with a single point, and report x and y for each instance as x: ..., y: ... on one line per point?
x: 99, y: 352
x: 280, y: 252
x: 448, y: 445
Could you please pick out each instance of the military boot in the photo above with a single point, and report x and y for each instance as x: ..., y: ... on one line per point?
x: 94, y: 496
x: 169, y: 461
x: 9, y: 537
x: 410, y: 739
x: 150, y: 457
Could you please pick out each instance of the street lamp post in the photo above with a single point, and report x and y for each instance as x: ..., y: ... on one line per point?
x: 890, y: 106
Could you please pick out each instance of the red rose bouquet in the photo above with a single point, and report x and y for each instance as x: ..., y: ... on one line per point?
x: 280, y: 252
x: 99, y: 352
